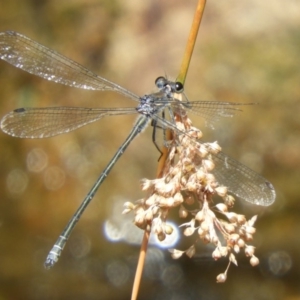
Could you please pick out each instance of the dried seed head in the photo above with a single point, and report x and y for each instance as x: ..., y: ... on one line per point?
x: 200, y: 175
x: 165, y: 189
x: 211, y: 180
x: 189, y: 231
x: 200, y: 216
x: 199, y: 134
x: 254, y: 261
x: 175, y: 171
x: 202, y: 150
x: 216, y: 254
x: 222, y: 207
x: 252, y: 221
x: 230, y: 228
x: 221, y: 191
x: 248, y: 237
x: 208, y: 165
x: 221, y: 278
x: 189, y: 200
x: 166, y: 202
x: 224, y: 251
x: 126, y: 211
x: 168, y: 229
x: 231, y: 216
x: 176, y: 253
x: 214, y: 147
x: 191, y: 251
x: 241, y: 243
x: 187, y: 170
x: 232, y: 259
x: 161, y: 236
x: 146, y: 184
x: 241, y: 219
x: 151, y: 200
x: 250, y: 230
x: 183, y: 213
x: 236, y: 248
x: 191, y: 186
x: 178, y: 199
x: 201, y: 232
x: 204, y: 225
x: 139, y: 221
x: 155, y: 210
x: 129, y: 205
x: 149, y: 215
x: 214, y: 239
x: 249, y: 251
x: 233, y: 238
x: 206, y: 238
x: 229, y: 201
x: 183, y: 180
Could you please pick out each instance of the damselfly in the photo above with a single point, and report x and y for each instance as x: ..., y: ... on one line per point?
x: 39, y: 60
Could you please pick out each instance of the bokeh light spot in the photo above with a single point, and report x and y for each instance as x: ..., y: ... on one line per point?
x: 280, y: 263
x: 17, y: 181
x: 54, y: 178
x: 37, y: 160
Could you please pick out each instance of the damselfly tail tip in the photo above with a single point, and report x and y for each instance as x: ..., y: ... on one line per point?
x: 49, y: 263
x: 52, y: 258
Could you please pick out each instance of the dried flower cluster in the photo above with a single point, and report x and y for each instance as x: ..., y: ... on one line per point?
x: 188, y: 183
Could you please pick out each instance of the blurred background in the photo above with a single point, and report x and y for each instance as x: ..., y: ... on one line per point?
x: 247, y: 51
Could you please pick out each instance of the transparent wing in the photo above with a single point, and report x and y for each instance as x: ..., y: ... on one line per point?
x: 211, y: 111
x: 240, y: 180
x: 39, y: 60
x: 50, y: 121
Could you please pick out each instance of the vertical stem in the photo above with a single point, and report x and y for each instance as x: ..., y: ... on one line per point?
x: 165, y: 151
x: 191, y: 41
x: 140, y: 266
x: 144, y: 246
x: 165, y: 154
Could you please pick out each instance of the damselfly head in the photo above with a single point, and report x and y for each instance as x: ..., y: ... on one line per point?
x: 164, y: 84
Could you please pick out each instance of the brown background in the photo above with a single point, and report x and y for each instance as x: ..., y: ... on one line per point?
x: 247, y: 51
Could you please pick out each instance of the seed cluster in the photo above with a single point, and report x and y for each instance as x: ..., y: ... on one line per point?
x: 188, y: 182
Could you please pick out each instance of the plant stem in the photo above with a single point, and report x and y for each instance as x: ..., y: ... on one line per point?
x: 191, y: 41
x: 165, y: 151
x: 164, y: 156
x: 140, y: 266
x: 144, y: 246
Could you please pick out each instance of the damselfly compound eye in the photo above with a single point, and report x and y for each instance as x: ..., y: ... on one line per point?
x: 161, y: 82
x: 178, y: 87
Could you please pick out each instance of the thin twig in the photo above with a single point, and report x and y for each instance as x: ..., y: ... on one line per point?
x: 140, y: 266
x: 169, y: 136
x: 144, y: 246
x: 165, y: 154
x: 191, y: 41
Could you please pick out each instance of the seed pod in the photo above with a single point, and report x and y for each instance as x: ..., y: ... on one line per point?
x: 221, y: 278
x: 199, y: 216
x: 189, y: 231
x: 208, y: 164
x: 168, y: 229
x: 183, y: 213
x: 216, y: 254
x: 221, y: 191
x: 254, y: 261
x: 222, y: 207
x: 176, y: 253
x: 214, y: 147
